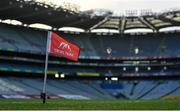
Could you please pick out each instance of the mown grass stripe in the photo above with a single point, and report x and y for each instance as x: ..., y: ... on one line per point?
x: 6, y: 104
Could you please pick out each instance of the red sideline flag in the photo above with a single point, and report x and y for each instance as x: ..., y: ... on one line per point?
x: 56, y: 45
x: 63, y: 48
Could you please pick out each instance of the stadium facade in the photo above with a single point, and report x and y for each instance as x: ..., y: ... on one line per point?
x: 111, y: 65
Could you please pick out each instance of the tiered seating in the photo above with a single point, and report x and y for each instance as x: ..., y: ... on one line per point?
x: 22, y: 39
x: 148, y: 45
x: 92, y: 45
x: 6, y: 87
x: 90, y: 89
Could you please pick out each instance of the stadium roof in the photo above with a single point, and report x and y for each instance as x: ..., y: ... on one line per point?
x: 31, y: 12
x: 153, y: 22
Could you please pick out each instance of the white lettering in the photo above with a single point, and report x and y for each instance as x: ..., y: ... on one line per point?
x: 67, y: 53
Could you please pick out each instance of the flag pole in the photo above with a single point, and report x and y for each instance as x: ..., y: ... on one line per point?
x: 43, y: 94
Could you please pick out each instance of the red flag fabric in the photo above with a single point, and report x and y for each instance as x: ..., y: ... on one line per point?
x: 63, y: 48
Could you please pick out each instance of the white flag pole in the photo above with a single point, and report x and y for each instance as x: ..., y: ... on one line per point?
x: 43, y: 94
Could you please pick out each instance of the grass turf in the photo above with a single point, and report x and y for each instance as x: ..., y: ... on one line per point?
x: 19, y: 104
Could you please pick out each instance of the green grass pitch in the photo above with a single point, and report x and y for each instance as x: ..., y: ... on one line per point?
x: 57, y: 104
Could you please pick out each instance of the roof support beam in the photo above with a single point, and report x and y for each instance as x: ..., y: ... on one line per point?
x: 169, y: 20
x: 100, y: 23
x: 144, y: 21
x: 122, y: 25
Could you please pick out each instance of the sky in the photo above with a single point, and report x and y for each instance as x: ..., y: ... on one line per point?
x: 119, y: 6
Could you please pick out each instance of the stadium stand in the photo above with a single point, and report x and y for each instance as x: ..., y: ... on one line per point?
x: 17, y: 39
x: 13, y: 87
x: 28, y: 87
x: 92, y: 45
x: 127, y: 56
